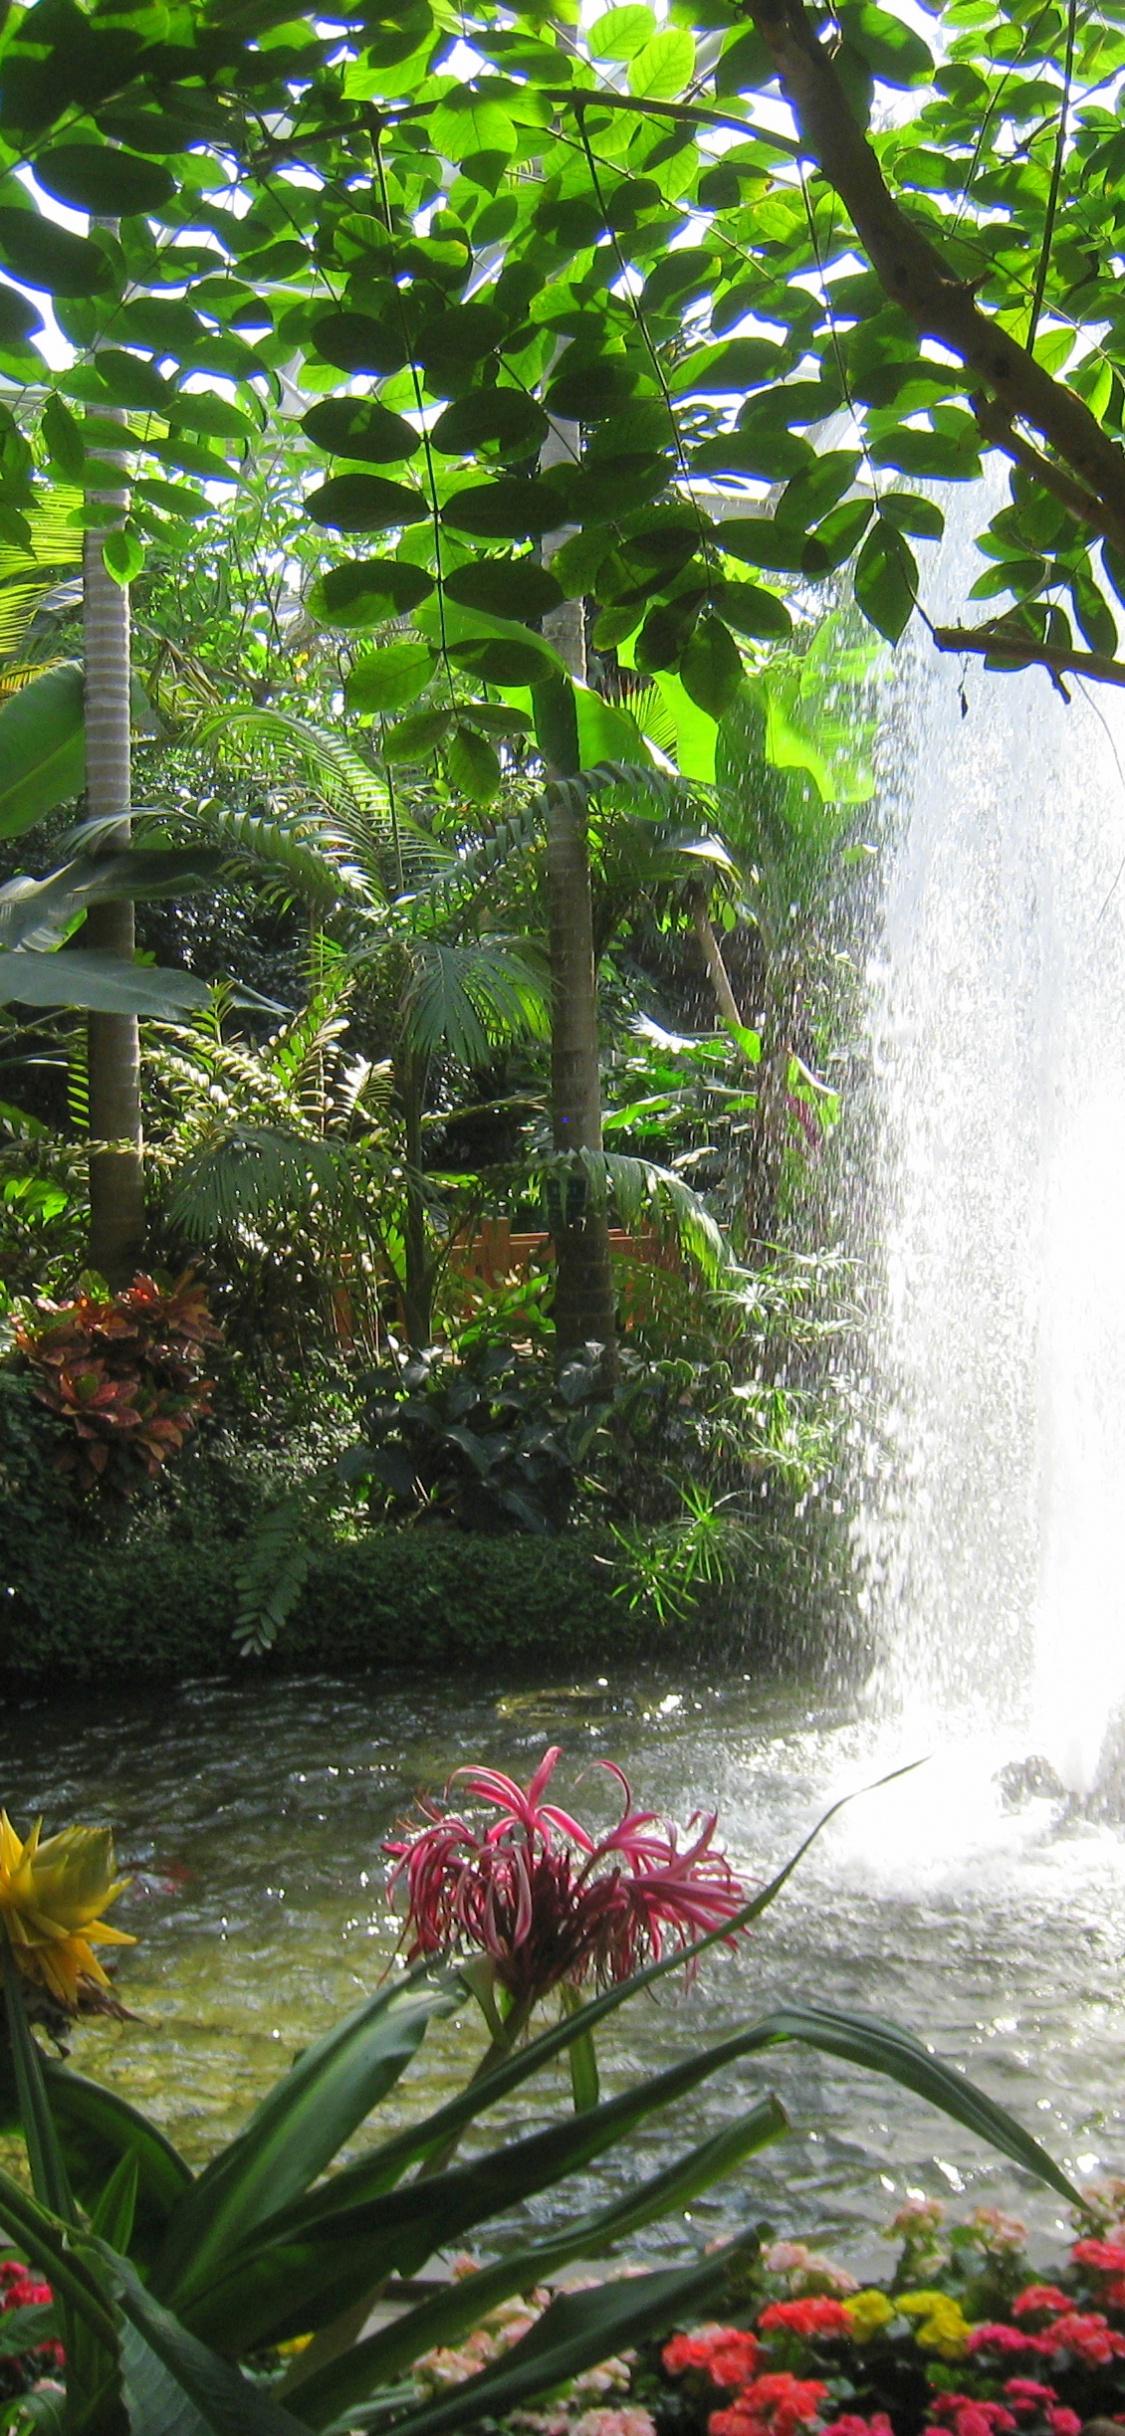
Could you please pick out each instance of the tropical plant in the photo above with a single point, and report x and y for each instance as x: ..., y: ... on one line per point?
x: 121, y: 1374
x: 170, y: 2280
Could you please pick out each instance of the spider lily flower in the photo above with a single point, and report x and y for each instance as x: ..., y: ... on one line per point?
x: 50, y: 1897
x: 543, y: 1897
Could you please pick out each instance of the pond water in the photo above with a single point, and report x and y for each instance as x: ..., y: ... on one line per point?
x: 254, y: 1815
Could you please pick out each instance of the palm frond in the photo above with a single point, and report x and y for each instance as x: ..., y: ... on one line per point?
x: 304, y: 854
x: 642, y: 1192
x: 465, y: 997
x: 245, y: 1176
x: 55, y: 541
x: 18, y: 605
x: 471, y: 871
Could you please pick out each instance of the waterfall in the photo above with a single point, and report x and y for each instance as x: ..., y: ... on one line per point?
x: 995, y: 1526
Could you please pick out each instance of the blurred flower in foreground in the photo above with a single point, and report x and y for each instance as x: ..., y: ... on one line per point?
x: 544, y: 1898
x: 50, y: 1897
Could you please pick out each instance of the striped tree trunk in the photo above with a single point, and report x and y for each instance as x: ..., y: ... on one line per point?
x: 117, y: 1202
x: 585, y: 1304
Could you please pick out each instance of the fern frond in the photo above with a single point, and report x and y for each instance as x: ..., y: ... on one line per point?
x: 471, y: 871
x: 464, y: 997
x: 275, y: 1566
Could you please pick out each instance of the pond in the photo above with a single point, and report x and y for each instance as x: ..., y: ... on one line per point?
x: 253, y: 1815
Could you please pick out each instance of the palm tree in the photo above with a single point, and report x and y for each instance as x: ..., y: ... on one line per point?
x: 117, y: 1191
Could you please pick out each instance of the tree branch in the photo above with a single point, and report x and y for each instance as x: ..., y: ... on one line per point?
x: 910, y: 267
x: 990, y: 643
x: 995, y: 426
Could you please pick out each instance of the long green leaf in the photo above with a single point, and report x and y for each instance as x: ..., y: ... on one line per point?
x: 176, y: 2387
x: 46, y: 2240
x: 42, y: 748
x: 360, y: 2372
x: 44, y: 2155
x: 98, y: 2129
x: 298, y: 2128
x: 575, y: 2333
x: 103, y: 983
x: 317, y: 2257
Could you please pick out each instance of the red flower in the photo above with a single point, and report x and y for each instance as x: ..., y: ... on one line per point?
x: 1026, y: 2394
x: 546, y: 1901
x: 771, y: 2406
x: 1107, y: 2256
x: 966, y: 2416
x: 1039, y: 2296
x: 1087, y: 2335
x: 1011, y: 2338
x: 1062, y: 2422
x: 815, y: 2316
x: 851, y: 2424
x: 729, y: 2356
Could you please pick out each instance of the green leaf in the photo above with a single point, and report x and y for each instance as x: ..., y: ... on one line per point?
x: 44, y: 2156
x: 574, y: 2333
x: 43, y: 255
x: 472, y: 766
x: 356, y: 342
x: 505, y: 419
x: 834, y: 540
x: 122, y: 554
x: 886, y: 580
x: 664, y: 67
x: 594, y: 391
x: 79, y: 978
x: 390, y: 678
x: 98, y: 2129
x: 365, y: 503
x: 509, y: 509
x: 911, y: 514
x: 505, y: 654
x: 930, y: 454
x: 202, y: 410
x: 415, y: 739
x: 892, y: 50
x: 513, y: 588
x: 711, y: 667
x: 817, y: 488
x: 132, y: 381
x: 42, y: 748
x: 295, y: 2132
x: 102, y: 179
x: 19, y: 319
x: 368, y: 591
x: 759, y: 542
x: 621, y: 32
x: 1093, y: 613
x: 176, y: 2386
x: 113, y: 2216
x: 361, y: 428
x: 454, y: 2311
x: 62, y: 433
x: 751, y: 610
x: 555, y: 712
x: 459, y: 336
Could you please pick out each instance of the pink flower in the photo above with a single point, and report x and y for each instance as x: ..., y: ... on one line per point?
x: 1061, y: 2421
x: 631, y: 2420
x: 851, y: 2424
x: 535, y: 1891
x: 1039, y: 2296
x: 966, y: 2416
x: 815, y: 2316
x: 1088, y: 2336
x: 1011, y: 2338
x: 1026, y: 2394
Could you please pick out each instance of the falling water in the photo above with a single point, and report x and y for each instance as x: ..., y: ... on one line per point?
x: 994, y: 1535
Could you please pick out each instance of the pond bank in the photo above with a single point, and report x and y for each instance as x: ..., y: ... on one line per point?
x: 162, y: 1608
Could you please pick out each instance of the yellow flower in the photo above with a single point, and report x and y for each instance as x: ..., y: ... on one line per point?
x: 869, y: 2311
x: 943, y: 2327
x: 50, y: 1898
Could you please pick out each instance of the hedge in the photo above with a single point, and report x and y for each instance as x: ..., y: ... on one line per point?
x: 159, y: 1607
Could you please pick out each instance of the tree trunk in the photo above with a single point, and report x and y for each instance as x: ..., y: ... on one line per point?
x: 117, y: 1205
x: 585, y: 1304
x: 418, y: 1276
